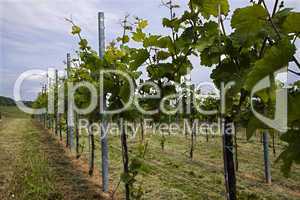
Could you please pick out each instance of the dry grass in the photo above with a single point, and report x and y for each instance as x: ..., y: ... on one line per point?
x: 172, y: 175
x: 34, y: 165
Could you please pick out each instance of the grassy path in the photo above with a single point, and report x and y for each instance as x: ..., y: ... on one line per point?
x: 34, y: 165
x: 10, y: 148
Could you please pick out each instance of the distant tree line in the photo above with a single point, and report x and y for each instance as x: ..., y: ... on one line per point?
x: 6, y: 101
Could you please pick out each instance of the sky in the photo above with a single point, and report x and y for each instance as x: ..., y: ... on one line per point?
x: 34, y: 34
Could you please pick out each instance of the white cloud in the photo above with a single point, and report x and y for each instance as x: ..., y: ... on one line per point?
x: 33, y: 33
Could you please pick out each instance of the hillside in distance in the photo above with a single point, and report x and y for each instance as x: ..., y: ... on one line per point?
x: 6, y: 101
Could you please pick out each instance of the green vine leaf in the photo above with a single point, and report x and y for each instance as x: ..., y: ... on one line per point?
x: 292, y: 23
x: 76, y: 30
x: 249, y: 23
x: 125, y: 39
x: 291, y: 153
x: 163, y: 55
x: 210, y: 7
x: 138, y: 36
x: 275, y: 58
x: 138, y: 58
x: 142, y: 24
x: 209, y: 36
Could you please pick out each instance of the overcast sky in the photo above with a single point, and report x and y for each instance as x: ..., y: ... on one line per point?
x: 34, y: 34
